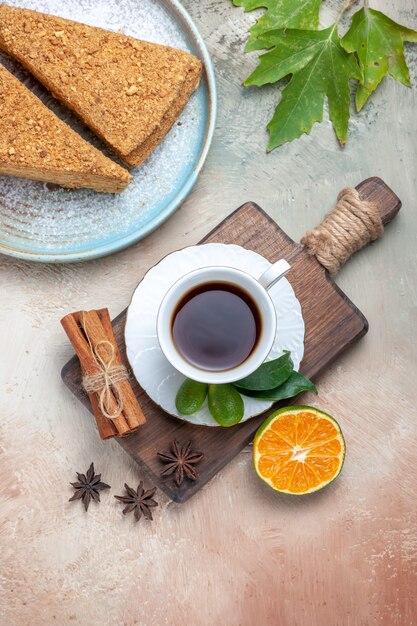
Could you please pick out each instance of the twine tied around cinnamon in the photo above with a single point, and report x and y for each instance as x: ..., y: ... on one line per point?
x: 346, y: 229
x: 106, y: 382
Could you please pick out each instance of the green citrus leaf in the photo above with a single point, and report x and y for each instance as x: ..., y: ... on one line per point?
x: 280, y: 14
x: 320, y: 67
x: 379, y: 44
x: 269, y: 375
x: 294, y: 385
x: 225, y: 404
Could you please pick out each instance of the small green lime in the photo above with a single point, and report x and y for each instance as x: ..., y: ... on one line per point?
x: 225, y: 404
x: 190, y: 396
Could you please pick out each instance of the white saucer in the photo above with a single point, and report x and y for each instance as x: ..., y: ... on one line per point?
x: 153, y: 371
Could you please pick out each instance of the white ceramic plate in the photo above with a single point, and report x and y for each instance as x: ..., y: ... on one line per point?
x: 153, y: 371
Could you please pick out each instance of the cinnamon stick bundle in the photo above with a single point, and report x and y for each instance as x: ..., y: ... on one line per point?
x: 114, y: 404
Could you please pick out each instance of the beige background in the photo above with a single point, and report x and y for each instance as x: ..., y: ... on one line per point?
x: 237, y: 553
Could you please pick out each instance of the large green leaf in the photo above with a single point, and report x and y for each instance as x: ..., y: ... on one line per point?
x: 294, y: 385
x: 268, y: 375
x: 280, y: 14
x: 379, y: 43
x: 320, y: 67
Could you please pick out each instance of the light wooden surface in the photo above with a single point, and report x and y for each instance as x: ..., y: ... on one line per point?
x: 237, y: 553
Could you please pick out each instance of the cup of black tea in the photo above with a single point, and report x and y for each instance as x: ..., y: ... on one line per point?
x: 218, y: 324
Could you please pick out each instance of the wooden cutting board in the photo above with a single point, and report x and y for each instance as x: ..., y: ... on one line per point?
x: 332, y: 324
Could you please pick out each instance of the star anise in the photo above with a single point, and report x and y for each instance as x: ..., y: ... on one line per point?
x: 139, y: 501
x: 88, y: 486
x: 180, y: 461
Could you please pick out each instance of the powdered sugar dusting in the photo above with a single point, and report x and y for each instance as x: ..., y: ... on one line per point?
x: 39, y: 218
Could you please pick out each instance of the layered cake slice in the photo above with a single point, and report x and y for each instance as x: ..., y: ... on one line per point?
x: 129, y: 92
x: 36, y: 144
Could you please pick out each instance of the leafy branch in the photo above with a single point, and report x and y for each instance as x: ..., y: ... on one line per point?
x: 320, y: 64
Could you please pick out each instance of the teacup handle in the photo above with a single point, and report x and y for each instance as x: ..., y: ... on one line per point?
x: 274, y: 273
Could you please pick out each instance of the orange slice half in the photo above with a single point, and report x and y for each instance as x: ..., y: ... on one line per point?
x: 298, y: 450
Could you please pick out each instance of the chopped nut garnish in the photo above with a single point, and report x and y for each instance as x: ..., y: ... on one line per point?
x: 132, y: 90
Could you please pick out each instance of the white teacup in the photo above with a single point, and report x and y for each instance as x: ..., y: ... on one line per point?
x: 257, y: 289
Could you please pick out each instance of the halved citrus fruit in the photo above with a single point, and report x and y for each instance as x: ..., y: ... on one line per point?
x: 298, y: 450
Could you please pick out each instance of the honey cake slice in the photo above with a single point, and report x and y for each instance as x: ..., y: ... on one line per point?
x: 129, y: 92
x: 36, y: 144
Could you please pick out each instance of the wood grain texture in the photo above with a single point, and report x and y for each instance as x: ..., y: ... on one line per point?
x: 332, y: 324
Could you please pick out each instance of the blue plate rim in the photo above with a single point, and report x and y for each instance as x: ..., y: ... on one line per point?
x: 128, y: 240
